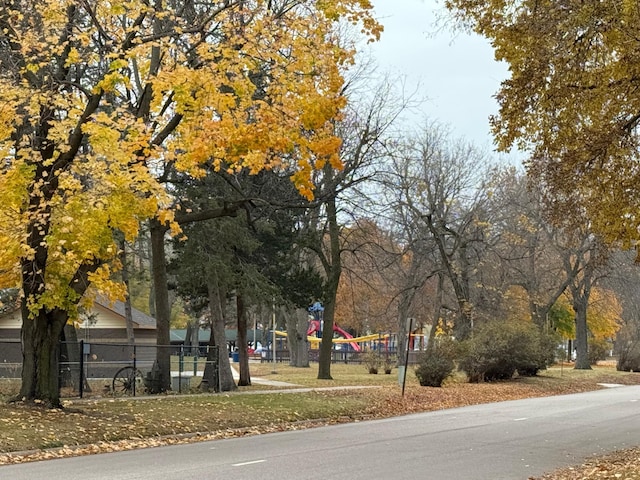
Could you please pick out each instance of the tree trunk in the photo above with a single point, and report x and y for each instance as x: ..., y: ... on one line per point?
x: 580, y: 289
x: 218, y: 337
x: 326, y: 345
x: 581, y: 343
x: 40, y: 355
x: 333, y: 270
x: 128, y: 314
x: 210, y: 376
x: 458, y: 275
x: 297, y: 326
x: 70, y: 354
x: 188, y: 336
x: 436, y: 311
x: 406, y: 299
x: 163, y: 309
x: 463, y: 326
x: 245, y: 375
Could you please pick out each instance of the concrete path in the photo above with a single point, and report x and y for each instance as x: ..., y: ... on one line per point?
x: 263, y: 381
x: 236, y: 377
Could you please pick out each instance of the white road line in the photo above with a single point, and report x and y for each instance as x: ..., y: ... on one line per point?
x: 520, y: 419
x: 247, y: 463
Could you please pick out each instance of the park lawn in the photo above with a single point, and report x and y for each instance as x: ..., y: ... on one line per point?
x: 107, y: 424
x: 343, y: 375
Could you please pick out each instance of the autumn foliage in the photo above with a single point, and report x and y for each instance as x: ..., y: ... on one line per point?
x: 571, y: 100
x: 366, y: 294
x: 101, y: 101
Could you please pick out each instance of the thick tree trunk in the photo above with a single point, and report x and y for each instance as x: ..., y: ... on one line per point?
x: 187, y: 335
x: 245, y: 375
x: 40, y: 355
x: 458, y: 275
x: 464, y: 322
x: 437, y: 308
x: 218, y: 338
x: 581, y: 343
x: 580, y: 290
x: 210, y: 376
x: 163, y: 309
x: 297, y: 326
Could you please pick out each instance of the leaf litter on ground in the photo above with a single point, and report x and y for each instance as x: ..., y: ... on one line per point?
x: 106, y: 425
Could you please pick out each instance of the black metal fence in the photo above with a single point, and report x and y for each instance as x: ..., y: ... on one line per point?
x: 93, y: 368
x: 10, y: 359
x: 340, y: 356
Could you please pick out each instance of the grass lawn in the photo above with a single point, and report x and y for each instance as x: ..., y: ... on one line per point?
x: 107, y: 424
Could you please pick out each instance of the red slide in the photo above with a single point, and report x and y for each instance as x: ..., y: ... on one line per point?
x: 314, y: 326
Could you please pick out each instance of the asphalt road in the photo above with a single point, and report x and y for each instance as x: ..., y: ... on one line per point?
x: 508, y: 440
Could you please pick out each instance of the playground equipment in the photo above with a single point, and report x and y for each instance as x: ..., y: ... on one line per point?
x: 315, y: 326
x: 314, y: 331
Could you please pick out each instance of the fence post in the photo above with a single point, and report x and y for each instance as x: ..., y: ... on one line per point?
x: 217, y: 366
x: 135, y: 369
x: 81, y: 372
x: 180, y: 367
x: 195, y: 363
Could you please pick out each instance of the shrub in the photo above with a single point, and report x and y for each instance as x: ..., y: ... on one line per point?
x: 372, y: 361
x: 436, y: 364
x: 628, y: 350
x: 629, y: 359
x: 598, y: 349
x: 500, y: 348
x: 541, y: 354
x: 388, y: 363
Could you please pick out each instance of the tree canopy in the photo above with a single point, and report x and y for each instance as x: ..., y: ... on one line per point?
x: 101, y: 101
x: 571, y: 99
x: 94, y: 97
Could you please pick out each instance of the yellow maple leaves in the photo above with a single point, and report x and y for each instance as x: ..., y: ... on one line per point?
x: 99, y: 100
x: 604, y: 315
x: 571, y: 100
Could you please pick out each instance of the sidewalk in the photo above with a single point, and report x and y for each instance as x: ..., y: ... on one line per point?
x: 236, y: 377
x: 263, y: 381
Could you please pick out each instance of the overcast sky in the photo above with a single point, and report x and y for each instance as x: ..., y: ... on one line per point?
x: 457, y: 72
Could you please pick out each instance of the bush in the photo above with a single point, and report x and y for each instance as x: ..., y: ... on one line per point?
x: 542, y: 353
x: 599, y: 348
x: 629, y: 359
x: 436, y: 364
x: 499, y: 349
x: 628, y: 350
x: 389, y: 362
x: 372, y: 361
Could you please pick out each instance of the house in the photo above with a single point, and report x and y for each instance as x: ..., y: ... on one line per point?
x: 106, y: 323
x: 103, y: 333
x: 178, y: 338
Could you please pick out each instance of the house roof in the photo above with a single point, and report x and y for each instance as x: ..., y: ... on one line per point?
x: 10, y: 316
x: 178, y: 335
x: 140, y: 318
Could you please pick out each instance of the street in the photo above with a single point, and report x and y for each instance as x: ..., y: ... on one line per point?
x: 507, y: 440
